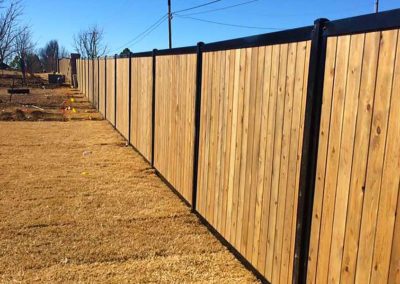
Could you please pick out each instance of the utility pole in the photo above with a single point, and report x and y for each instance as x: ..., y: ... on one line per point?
x: 376, y: 6
x: 169, y: 24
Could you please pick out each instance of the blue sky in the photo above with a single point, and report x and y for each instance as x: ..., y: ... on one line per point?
x: 123, y: 20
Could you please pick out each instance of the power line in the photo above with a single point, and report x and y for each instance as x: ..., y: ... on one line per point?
x: 149, y: 32
x: 151, y: 28
x: 198, y: 6
x: 155, y: 24
x: 220, y: 9
x: 226, y: 24
x: 162, y: 19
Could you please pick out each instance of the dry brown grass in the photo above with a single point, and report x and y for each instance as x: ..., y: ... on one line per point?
x: 100, y: 217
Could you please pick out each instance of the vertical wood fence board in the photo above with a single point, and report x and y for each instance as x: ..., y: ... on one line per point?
x: 122, y: 96
x: 95, y: 83
x: 322, y: 157
x: 65, y: 69
x: 354, y: 229
x: 85, y: 83
x: 90, y: 81
x: 390, y: 184
x: 252, y: 100
x: 175, y: 96
x: 141, y: 105
x: 110, y: 90
x: 78, y: 73
x: 102, y: 91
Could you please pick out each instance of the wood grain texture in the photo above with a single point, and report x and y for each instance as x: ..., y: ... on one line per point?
x: 82, y: 76
x: 110, y: 93
x: 95, y: 83
x: 174, y: 129
x: 251, y: 125
x: 102, y: 86
x: 141, y: 105
x: 90, y: 81
x: 123, y: 96
x: 78, y: 74
x: 65, y: 69
x: 354, y: 238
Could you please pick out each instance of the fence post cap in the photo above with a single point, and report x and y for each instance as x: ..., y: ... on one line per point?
x: 320, y: 21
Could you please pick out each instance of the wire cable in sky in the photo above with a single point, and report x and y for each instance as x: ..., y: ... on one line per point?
x: 150, y: 28
x: 198, y: 6
x: 149, y: 32
x: 226, y: 24
x: 220, y: 9
x: 155, y: 25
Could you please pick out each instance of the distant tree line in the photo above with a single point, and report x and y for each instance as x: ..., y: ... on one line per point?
x: 19, y: 51
x: 17, y: 48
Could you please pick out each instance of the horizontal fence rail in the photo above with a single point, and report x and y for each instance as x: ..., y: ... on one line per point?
x: 286, y: 145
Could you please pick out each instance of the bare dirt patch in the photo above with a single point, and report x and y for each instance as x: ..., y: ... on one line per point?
x: 44, y: 102
x: 75, y: 206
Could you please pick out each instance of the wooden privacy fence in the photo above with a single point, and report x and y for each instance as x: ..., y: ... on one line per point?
x: 68, y: 67
x: 286, y: 145
x: 64, y: 67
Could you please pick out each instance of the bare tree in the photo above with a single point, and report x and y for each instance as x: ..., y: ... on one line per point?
x: 9, y: 28
x: 90, y: 43
x: 23, y: 47
x: 49, y: 55
x: 33, y: 64
x: 63, y: 52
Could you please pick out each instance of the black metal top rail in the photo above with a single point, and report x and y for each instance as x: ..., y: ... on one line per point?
x: 177, y: 51
x: 286, y: 36
x: 360, y: 24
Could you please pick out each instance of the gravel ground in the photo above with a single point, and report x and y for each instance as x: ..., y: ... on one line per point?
x: 77, y: 205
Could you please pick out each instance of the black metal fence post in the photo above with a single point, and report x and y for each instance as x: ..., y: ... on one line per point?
x: 199, y: 70
x: 130, y: 97
x: 153, y: 111
x: 115, y: 91
x: 309, y: 151
x: 105, y: 87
